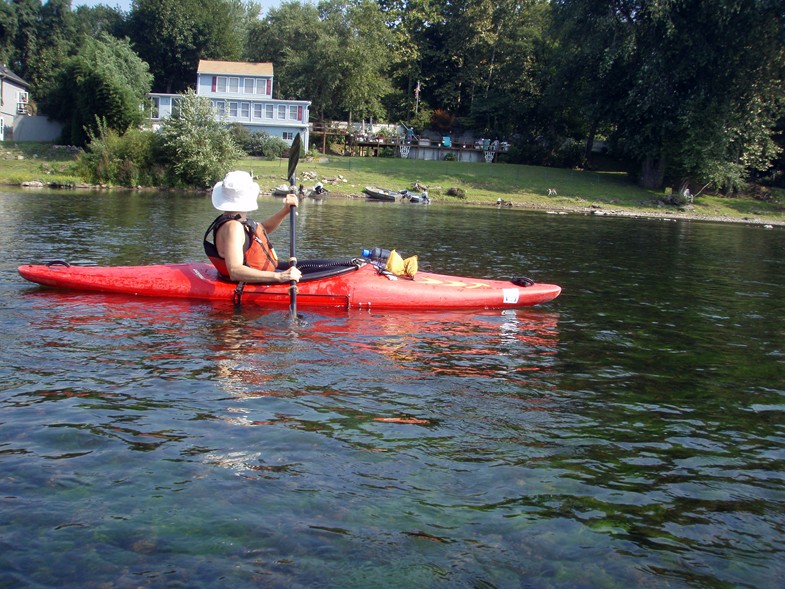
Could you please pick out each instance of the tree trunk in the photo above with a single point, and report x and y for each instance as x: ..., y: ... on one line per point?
x: 589, y: 143
x: 652, y: 173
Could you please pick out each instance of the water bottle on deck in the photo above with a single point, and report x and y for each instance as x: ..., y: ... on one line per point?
x: 376, y: 254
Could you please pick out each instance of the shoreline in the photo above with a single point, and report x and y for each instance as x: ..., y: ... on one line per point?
x: 674, y: 214
x: 665, y: 215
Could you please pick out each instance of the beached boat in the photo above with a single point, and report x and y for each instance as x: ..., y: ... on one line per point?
x: 415, y: 197
x: 376, y: 193
x: 283, y: 189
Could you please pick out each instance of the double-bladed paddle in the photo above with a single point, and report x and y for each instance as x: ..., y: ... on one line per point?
x: 294, y: 157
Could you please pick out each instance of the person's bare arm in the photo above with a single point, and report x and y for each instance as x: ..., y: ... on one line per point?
x: 272, y: 222
x: 230, y: 242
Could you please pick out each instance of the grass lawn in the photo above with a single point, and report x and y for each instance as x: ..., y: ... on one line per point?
x: 23, y: 162
x: 524, y: 186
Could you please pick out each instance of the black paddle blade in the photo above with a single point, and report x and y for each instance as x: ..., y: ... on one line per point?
x: 294, y: 157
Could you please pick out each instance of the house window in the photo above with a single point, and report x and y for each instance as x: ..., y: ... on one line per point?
x: 268, y: 111
x: 220, y: 84
x: 248, y: 86
x: 258, y: 110
x: 233, y: 109
x: 261, y: 87
x: 175, y: 107
x: 220, y: 107
x: 155, y: 107
x: 245, y: 110
x: 281, y: 112
x: 288, y: 135
x: 293, y: 112
x: 234, y: 85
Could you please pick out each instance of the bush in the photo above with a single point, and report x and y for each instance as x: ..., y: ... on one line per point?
x: 240, y: 135
x: 198, y: 149
x: 131, y: 159
x: 259, y: 144
x: 192, y: 149
x: 267, y: 146
x: 422, y: 119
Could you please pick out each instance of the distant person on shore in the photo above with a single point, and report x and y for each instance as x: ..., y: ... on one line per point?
x: 240, y: 248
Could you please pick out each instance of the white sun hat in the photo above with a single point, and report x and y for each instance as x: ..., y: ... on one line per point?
x: 236, y: 192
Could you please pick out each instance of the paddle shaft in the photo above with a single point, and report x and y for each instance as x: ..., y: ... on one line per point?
x: 292, y: 262
x: 294, y: 157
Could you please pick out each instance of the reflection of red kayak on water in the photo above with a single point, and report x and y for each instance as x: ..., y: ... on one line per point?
x: 325, y: 283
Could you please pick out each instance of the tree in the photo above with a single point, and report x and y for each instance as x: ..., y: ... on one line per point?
x: 56, y: 42
x: 316, y: 71
x: 285, y: 37
x: 473, y: 59
x: 364, y: 58
x: 8, y: 30
x: 221, y: 30
x: 198, y: 148
x: 506, y: 88
x: 692, y: 88
x: 162, y: 33
x: 93, y: 20
x: 25, y: 40
x: 407, y: 22
x: 335, y: 55
x: 105, y: 81
x: 173, y: 35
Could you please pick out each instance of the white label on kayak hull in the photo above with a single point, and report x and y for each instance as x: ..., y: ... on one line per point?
x: 511, y: 296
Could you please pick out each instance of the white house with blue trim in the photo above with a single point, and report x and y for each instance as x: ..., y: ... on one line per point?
x: 242, y: 92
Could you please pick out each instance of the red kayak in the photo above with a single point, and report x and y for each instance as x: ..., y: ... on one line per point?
x: 346, y: 284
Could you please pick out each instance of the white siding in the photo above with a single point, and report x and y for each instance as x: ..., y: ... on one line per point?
x: 247, y: 100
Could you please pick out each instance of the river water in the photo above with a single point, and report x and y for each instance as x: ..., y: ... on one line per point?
x: 630, y: 433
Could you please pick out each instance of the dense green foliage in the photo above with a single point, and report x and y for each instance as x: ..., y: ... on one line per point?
x: 131, y: 159
x: 173, y: 35
x: 687, y: 88
x: 686, y: 93
x: 190, y: 149
x: 258, y: 144
x: 198, y: 149
x: 106, y: 80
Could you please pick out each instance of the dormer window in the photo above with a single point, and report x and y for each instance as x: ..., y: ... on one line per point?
x: 224, y: 84
x: 264, y: 87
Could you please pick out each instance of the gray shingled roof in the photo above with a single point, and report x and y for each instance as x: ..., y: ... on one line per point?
x: 11, y: 76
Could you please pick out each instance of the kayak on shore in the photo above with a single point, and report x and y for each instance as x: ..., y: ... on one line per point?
x: 349, y: 283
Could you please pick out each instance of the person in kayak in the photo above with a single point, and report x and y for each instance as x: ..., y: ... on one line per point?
x: 240, y: 249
